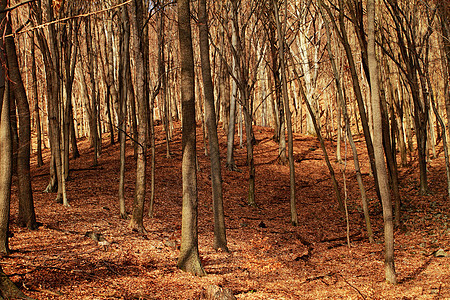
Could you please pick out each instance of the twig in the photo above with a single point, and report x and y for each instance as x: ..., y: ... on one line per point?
x: 318, y: 277
x: 67, y: 18
x: 355, y: 288
x: 15, y: 6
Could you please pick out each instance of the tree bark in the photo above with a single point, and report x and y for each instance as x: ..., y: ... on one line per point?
x: 378, y: 147
x: 5, y: 165
x: 37, y: 116
x: 51, y: 60
x: 342, y: 104
x: 343, y: 37
x: 231, y: 165
x: 124, y: 65
x: 189, y: 259
x: 136, y: 222
x: 281, y: 32
x: 93, y: 115
x: 220, y: 241
x: 27, y: 216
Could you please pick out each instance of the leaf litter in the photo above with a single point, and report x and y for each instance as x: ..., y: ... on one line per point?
x: 268, y: 259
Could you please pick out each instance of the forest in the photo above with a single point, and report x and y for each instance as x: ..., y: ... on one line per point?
x: 235, y: 149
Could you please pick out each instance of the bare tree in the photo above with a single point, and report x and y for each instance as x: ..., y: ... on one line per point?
x: 378, y: 147
x: 189, y: 259
x: 5, y: 165
x: 220, y: 241
x: 281, y: 41
x: 37, y: 115
x: 27, y: 216
x: 124, y: 66
x: 51, y: 58
x: 135, y: 15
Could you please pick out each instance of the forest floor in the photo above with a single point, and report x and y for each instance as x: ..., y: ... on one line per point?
x: 268, y: 259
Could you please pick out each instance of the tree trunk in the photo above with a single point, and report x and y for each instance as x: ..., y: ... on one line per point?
x: 281, y: 32
x: 280, y: 134
x: 390, y: 159
x: 189, y: 259
x: 342, y: 33
x: 231, y: 165
x: 343, y: 108
x: 124, y: 64
x: 445, y: 57
x: 37, y: 117
x: 70, y: 58
x: 378, y: 147
x: 133, y: 115
x: 220, y: 241
x: 136, y: 222
x: 52, y: 70
x: 73, y: 132
x: 5, y: 165
x: 322, y: 146
x: 27, y: 216
x: 93, y: 116
x: 163, y: 95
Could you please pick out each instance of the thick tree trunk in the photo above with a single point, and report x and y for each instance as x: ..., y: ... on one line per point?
x: 9, y: 290
x: 136, y: 222
x: 124, y: 64
x: 5, y: 165
x: 378, y: 147
x: 220, y: 241
x: 189, y: 259
x: 27, y: 216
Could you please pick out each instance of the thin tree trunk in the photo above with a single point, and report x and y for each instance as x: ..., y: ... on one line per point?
x: 153, y: 161
x: 73, y: 133
x: 93, y: 116
x: 163, y: 84
x: 70, y: 58
x: 441, y: 122
x: 342, y: 33
x: 287, y: 110
x: 444, y: 136
x: 133, y: 115
x: 324, y: 150
x: 390, y: 159
x: 231, y: 165
x: 37, y: 117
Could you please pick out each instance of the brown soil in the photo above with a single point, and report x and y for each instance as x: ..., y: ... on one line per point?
x: 269, y: 258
